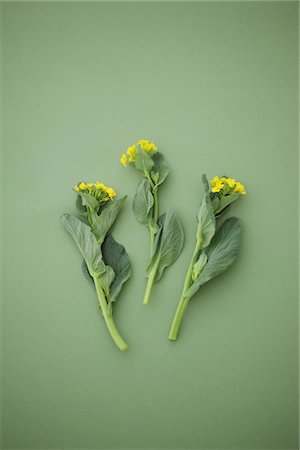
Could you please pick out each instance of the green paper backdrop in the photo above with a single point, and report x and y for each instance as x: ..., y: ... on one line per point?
x: 215, y: 86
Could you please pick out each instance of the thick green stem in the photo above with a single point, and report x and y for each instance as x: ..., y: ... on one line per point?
x: 155, y: 218
x: 152, y: 229
x: 178, y: 318
x: 148, y: 289
x: 152, y: 237
x: 184, y: 299
x: 150, y: 282
x: 154, y: 189
x: 188, y: 278
x: 155, y: 205
x: 107, y: 315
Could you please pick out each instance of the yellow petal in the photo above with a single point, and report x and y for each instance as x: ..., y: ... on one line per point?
x: 214, y: 181
x: 142, y: 142
x: 146, y: 145
x: 131, y: 151
x: 230, y: 181
x: 100, y: 186
x: 82, y: 186
x: 124, y: 160
x: 111, y: 192
x: 239, y: 187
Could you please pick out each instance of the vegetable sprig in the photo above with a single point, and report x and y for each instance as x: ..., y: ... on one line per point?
x: 166, y: 233
x: 216, y: 247
x: 105, y: 261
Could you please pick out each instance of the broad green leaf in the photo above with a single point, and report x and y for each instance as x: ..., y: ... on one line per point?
x: 199, y: 265
x: 81, y: 208
x: 107, y: 217
x: 86, y: 273
x: 106, y: 279
x: 83, y: 218
x: 215, y: 200
x: 89, y: 200
x: 168, y: 244
x: 226, y: 201
x: 160, y: 166
x: 221, y: 253
x: 86, y: 243
x: 206, y: 218
x: 143, y: 202
x: 143, y: 161
x: 114, y: 255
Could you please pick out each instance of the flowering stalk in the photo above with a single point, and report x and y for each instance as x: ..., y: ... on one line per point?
x: 166, y: 234
x: 108, y: 318
x: 105, y: 262
x: 215, y: 250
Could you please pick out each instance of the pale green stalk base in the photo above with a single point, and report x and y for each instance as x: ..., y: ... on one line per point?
x: 178, y: 318
x: 120, y: 343
x: 148, y: 289
x: 150, y: 282
x: 184, y: 300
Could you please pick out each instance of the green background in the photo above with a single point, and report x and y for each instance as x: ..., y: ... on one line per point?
x: 215, y: 86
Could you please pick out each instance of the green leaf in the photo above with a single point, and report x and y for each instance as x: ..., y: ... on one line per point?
x: 88, y: 200
x: 106, y: 279
x: 114, y: 255
x: 143, y: 202
x: 206, y: 218
x: 156, y: 244
x: 81, y: 208
x: 221, y: 253
x: 86, y: 243
x: 168, y: 244
x: 154, y: 176
x: 160, y: 166
x: 199, y: 265
x: 86, y: 273
x: 83, y: 218
x: 143, y: 161
x: 105, y: 220
x: 215, y: 200
x: 225, y: 201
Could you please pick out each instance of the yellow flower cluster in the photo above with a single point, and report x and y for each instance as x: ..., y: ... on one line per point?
x: 147, y: 146
x: 230, y: 183
x: 94, y: 188
x: 129, y: 156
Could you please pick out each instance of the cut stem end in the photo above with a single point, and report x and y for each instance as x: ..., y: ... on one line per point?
x: 174, y: 330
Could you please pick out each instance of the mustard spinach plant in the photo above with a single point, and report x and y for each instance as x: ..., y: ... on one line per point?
x: 216, y: 246
x: 166, y: 233
x: 105, y: 261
